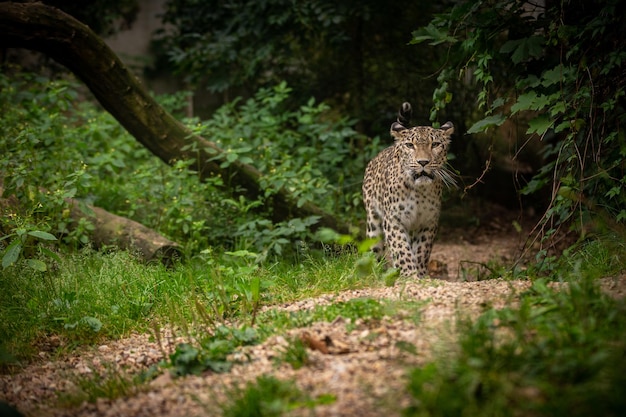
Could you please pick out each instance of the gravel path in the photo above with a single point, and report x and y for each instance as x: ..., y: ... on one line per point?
x: 363, y: 368
x: 351, y: 368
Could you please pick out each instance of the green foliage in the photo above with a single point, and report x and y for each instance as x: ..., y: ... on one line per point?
x: 269, y: 396
x: 89, y: 296
x: 303, y: 151
x: 307, y: 151
x: 295, y: 354
x: 559, y: 352
x: 557, y: 69
x: 225, y: 45
x: 85, y: 297
x: 21, y: 241
x: 34, y: 136
x: 42, y: 124
x: 234, y: 287
x: 212, y: 354
x: 355, y: 312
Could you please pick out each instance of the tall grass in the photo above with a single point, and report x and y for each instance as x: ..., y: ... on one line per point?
x: 88, y: 296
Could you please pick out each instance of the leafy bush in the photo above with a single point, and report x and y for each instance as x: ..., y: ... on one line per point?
x: 54, y: 147
x: 212, y: 353
x: 558, y: 70
x: 560, y: 352
x: 304, y: 151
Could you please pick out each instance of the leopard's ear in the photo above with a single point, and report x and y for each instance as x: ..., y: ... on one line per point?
x: 448, y: 128
x: 396, y: 129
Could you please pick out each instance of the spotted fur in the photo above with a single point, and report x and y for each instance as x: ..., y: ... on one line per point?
x: 402, y: 193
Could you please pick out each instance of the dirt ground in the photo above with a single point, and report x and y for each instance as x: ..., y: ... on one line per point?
x: 365, y: 369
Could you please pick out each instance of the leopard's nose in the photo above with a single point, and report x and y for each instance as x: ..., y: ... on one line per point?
x: 423, y: 162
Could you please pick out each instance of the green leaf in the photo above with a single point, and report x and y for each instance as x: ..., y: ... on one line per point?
x: 255, y: 289
x: 531, y: 101
x: 367, y: 244
x: 12, y: 253
x: 524, y: 102
x: 553, y: 76
x: 539, y: 125
x: 42, y: 235
x: 486, y: 123
x: 70, y: 193
x: 37, y: 265
x: 614, y: 191
x: 523, y: 49
x: 557, y: 108
x: 534, y: 185
x: 562, y: 126
x: 499, y: 102
x: 433, y: 34
x: 326, y: 235
x: 184, y: 354
x: 246, y: 335
x: 93, y: 323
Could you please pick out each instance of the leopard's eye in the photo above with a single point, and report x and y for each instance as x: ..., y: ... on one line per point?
x: 409, y: 145
x: 436, y: 144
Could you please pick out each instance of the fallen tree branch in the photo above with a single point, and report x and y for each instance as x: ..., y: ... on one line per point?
x: 126, y: 234
x: 111, y: 230
x: 42, y: 28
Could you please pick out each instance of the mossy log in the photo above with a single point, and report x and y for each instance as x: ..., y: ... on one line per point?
x: 50, y: 31
x: 110, y: 230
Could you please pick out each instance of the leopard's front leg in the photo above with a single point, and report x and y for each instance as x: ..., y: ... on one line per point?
x: 398, y: 243
x: 421, y: 247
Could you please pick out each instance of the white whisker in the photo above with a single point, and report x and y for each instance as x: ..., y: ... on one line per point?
x: 447, y: 176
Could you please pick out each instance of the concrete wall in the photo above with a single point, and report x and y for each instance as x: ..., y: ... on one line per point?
x: 133, y: 45
x: 133, y: 48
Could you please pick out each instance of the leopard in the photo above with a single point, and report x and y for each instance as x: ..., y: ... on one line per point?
x: 402, y: 191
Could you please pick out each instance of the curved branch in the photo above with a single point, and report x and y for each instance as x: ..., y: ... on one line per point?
x: 48, y: 30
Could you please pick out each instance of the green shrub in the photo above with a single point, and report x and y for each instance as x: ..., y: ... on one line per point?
x: 560, y: 352
x: 268, y: 396
x: 54, y: 147
x: 556, y: 71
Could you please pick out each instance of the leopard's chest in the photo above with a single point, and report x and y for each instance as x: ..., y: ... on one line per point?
x: 413, y: 208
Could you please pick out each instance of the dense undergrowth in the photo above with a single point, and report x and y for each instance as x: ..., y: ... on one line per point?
x: 560, y: 351
x: 55, y: 146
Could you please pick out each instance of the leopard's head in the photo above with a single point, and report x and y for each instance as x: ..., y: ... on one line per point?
x: 422, y: 150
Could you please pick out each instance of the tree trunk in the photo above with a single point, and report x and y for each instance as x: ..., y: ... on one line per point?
x: 48, y: 30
